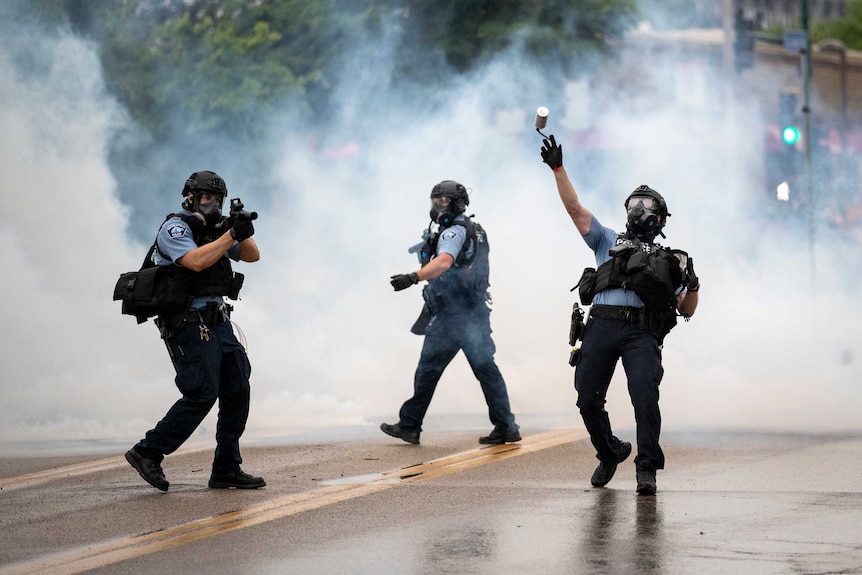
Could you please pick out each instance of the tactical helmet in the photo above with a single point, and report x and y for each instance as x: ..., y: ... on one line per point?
x: 458, y: 202
x: 205, y: 182
x: 647, y: 214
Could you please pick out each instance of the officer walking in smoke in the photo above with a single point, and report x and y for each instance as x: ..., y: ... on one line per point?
x: 636, y: 292
x: 210, y: 363
x: 456, y: 316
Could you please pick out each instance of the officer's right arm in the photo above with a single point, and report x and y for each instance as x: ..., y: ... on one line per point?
x: 580, y: 215
x: 206, y: 255
x: 436, y: 267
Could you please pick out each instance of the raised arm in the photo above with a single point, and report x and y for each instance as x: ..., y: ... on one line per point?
x: 552, y: 154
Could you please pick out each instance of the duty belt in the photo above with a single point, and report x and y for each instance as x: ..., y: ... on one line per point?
x: 212, y: 314
x: 627, y: 314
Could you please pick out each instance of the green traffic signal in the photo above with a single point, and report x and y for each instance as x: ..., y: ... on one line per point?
x: 790, y: 135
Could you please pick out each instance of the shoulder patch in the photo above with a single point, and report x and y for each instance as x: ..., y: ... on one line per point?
x: 449, y: 234
x: 177, y: 230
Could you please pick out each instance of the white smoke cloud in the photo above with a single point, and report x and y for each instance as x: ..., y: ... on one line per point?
x: 327, y: 337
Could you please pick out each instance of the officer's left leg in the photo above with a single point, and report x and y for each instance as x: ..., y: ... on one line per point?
x: 438, y: 350
x: 641, y: 359
x: 197, y: 364
x: 234, y: 397
x: 479, y: 348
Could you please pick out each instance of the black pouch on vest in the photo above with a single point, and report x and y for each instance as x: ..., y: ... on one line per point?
x: 586, y: 286
x: 235, y: 285
x: 151, y: 291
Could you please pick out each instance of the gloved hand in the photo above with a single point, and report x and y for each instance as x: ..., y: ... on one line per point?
x: 692, y: 279
x: 242, y: 230
x: 404, y: 281
x: 552, y: 154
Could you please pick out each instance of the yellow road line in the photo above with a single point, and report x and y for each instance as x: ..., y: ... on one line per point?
x: 109, y: 552
x: 31, y: 479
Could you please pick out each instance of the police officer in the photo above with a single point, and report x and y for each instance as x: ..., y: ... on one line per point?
x: 211, y: 365
x: 456, y: 316
x: 632, y: 311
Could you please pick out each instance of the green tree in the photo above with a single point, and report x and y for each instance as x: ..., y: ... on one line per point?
x: 212, y: 82
x: 847, y: 29
x: 470, y: 32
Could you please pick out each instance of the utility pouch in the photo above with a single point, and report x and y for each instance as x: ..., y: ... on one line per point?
x: 586, y: 286
x: 235, y: 285
x: 637, y: 262
x: 151, y: 291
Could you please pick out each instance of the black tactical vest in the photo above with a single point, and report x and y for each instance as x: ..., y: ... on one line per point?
x: 217, y: 280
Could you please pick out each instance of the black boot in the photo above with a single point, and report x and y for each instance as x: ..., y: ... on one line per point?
x: 646, y: 478
x: 148, y: 469
x: 606, y: 469
x: 237, y: 478
x: 408, y: 435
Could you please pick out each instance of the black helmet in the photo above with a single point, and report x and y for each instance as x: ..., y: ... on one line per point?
x: 205, y: 182
x: 646, y: 212
x: 458, y: 202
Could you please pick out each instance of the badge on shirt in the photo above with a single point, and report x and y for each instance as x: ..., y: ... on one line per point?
x: 177, y: 230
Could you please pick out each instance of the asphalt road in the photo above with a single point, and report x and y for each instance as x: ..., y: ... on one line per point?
x: 727, y: 503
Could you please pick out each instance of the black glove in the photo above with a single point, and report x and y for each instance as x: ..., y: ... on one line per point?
x: 404, y: 281
x: 552, y: 154
x: 242, y: 230
x: 692, y: 279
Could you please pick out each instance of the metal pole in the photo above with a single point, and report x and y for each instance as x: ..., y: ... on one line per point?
x: 806, y: 110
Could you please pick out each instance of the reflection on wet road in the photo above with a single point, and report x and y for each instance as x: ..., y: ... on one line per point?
x: 726, y: 504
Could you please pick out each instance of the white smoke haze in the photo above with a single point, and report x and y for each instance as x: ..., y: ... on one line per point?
x: 327, y: 337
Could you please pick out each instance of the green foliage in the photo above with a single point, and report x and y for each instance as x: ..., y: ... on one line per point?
x: 191, y: 67
x: 847, y: 29
x: 211, y: 83
x: 469, y: 32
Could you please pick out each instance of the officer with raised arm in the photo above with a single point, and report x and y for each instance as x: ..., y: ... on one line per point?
x: 637, y: 290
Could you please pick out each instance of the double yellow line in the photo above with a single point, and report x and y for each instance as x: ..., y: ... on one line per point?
x: 102, y: 554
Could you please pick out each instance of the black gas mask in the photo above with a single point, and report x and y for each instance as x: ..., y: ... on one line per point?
x: 211, y: 211
x: 449, y: 199
x: 443, y: 211
x: 210, y: 183
x: 646, y: 212
x: 642, y: 215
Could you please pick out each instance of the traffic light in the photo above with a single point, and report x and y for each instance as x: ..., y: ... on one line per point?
x: 790, y: 135
x: 788, y: 118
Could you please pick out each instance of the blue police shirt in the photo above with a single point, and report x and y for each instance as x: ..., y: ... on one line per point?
x: 175, y: 240
x: 452, y: 239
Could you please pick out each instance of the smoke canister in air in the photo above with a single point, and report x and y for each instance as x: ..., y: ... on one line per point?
x: 541, y: 117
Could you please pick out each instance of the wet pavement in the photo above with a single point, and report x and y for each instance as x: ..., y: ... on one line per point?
x: 727, y: 503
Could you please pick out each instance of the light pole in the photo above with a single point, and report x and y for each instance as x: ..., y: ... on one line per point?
x: 806, y: 111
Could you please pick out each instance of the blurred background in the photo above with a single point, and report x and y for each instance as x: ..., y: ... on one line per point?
x: 334, y: 119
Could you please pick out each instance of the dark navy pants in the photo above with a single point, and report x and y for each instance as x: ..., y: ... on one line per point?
x: 207, y: 371
x: 605, y: 342
x: 446, y: 335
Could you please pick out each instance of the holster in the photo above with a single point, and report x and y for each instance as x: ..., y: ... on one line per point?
x: 422, y: 322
